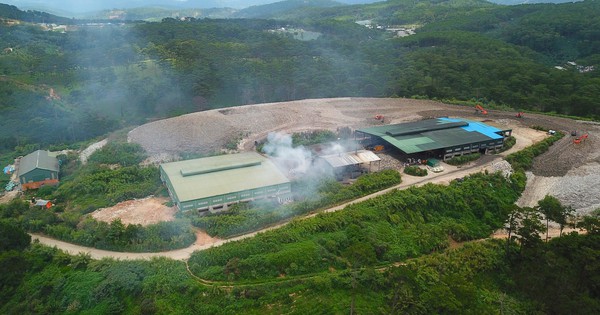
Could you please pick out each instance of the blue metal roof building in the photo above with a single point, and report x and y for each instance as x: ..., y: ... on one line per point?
x: 440, y: 138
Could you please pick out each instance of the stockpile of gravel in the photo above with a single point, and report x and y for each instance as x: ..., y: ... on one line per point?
x: 503, y: 167
x: 580, y: 188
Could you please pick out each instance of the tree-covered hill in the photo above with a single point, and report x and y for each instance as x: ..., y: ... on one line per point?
x: 12, y: 12
x: 93, y: 78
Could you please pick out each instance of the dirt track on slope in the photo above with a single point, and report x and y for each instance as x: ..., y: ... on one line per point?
x: 570, y: 172
x: 204, y: 241
x: 574, y: 166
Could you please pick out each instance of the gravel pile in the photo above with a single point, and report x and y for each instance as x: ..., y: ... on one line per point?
x: 389, y: 162
x: 503, y: 167
x: 580, y: 188
x: 210, y: 131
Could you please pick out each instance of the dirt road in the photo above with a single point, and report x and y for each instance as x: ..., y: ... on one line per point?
x: 207, y: 132
x: 204, y: 241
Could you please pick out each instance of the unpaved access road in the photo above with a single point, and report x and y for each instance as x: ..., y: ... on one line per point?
x: 577, y: 167
x: 204, y: 241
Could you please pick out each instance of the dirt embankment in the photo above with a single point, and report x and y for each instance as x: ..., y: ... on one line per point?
x: 574, y: 166
x: 145, y: 211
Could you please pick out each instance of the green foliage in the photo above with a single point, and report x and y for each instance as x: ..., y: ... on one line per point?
x: 119, y: 237
x: 415, y: 171
x: 245, y: 218
x: 464, y: 159
x: 312, y: 137
x: 523, y: 160
x: 98, y: 186
x: 124, y: 154
x: 393, y: 227
x: 509, y: 142
x: 12, y: 237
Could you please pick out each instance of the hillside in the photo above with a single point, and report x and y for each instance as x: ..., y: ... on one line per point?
x: 468, y: 240
x: 463, y: 50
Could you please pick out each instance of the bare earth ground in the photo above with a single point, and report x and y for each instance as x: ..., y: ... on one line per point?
x: 568, y: 171
x: 150, y: 210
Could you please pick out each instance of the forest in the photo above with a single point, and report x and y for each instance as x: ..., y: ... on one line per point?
x: 422, y: 250
x: 91, y: 80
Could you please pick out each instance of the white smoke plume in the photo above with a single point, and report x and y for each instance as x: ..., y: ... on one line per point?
x: 292, y: 161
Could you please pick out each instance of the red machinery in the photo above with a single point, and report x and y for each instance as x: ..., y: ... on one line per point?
x: 480, y: 109
x: 519, y: 115
x: 580, y: 139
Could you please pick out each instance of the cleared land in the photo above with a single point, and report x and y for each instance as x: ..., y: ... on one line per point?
x: 568, y: 171
x: 576, y: 167
x: 145, y: 211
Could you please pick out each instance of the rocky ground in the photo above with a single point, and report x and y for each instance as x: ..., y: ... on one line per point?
x: 567, y: 171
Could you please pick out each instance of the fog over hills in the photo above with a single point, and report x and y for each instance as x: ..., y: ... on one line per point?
x: 82, y: 6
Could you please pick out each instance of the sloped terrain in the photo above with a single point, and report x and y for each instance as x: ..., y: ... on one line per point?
x: 567, y: 171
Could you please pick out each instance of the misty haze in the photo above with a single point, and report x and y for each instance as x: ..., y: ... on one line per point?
x: 299, y: 157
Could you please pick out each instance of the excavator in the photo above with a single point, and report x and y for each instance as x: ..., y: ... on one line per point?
x: 580, y: 139
x: 519, y: 115
x: 379, y: 117
x: 480, y: 109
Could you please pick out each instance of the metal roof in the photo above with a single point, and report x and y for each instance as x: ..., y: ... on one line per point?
x: 432, y: 134
x: 39, y: 159
x: 350, y: 158
x: 220, y: 175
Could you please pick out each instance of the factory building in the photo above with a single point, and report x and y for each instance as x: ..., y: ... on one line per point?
x: 215, y: 183
x: 441, y: 138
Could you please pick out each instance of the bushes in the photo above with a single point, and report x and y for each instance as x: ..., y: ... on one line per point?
x: 124, y: 154
x: 96, y: 186
x: 508, y: 143
x: 464, y: 159
x: 392, y: 227
x: 244, y: 218
x: 312, y: 137
x: 415, y: 171
x: 120, y: 237
x: 523, y: 160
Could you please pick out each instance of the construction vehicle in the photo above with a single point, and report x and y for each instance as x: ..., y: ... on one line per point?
x: 379, y: 117
x: 580, y: 139
x: 480, y: 109
x: 519, y: 115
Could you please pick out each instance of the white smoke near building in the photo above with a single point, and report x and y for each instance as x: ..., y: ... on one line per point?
x: 292, y: 161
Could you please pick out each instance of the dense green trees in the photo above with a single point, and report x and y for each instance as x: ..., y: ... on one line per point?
x: 393, y: 227
x: 245, y: 218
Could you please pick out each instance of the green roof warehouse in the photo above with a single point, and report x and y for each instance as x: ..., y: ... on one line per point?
x: 436, y: 138
x: 214, y: 183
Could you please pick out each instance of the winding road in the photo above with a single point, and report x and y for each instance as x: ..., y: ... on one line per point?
x: 183, y: 254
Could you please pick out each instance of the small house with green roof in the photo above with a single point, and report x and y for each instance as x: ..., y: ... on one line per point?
x: 38, y: 169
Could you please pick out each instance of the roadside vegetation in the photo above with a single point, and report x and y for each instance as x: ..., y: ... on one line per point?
x: 415, y: 171
x: 463, y: 159
x: 248, y: 217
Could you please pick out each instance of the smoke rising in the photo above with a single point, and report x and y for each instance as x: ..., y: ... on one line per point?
x: 292, y: 161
